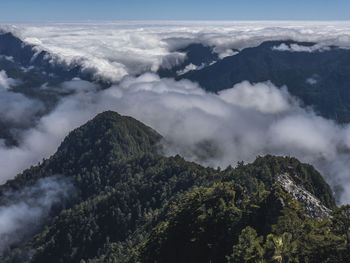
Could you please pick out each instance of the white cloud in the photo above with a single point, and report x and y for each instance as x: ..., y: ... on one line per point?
x: 238, y: 124
x: 311, y: 80
x: 300, y: 48
x: 27, y: 209
x: 76, y: 85
x: 188, y: 68
x: 15, y: 107
x: 264, y: 97
x: 18, y: 109
x: 5, y: 82
x: 191, y: 67
x: 113, y: 50
x: 8, y: 58
x: 226, y: 53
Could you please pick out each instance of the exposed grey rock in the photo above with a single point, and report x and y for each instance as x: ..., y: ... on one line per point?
x: 313, y: 205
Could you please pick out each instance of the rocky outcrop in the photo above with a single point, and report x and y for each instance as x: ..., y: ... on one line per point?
x: 313, y: 205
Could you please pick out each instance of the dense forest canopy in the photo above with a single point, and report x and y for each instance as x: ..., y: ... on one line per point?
x: 131, y: 204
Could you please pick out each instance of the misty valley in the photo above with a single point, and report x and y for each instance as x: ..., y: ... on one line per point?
x: 175, y: 142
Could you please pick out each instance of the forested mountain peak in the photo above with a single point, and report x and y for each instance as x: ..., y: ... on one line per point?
x: 109, y: 135
x: 130, y: 204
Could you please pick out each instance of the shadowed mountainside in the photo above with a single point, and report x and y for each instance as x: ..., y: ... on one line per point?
x: 320, y: 78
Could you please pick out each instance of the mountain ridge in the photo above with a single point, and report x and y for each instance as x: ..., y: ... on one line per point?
x: 318, y: 78
x: 122, y: 197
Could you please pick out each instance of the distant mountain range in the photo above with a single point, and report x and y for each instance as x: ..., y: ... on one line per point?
x: 318, y: 77
x: 35, y: 67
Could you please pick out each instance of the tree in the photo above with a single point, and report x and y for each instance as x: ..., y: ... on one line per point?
x: 341, y: 225
x: 249, y: 248
x: 281, y: 248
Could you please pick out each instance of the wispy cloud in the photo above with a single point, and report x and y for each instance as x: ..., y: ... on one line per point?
x: 236, y: 124
x: 190, y: 119
x: 27, y: 209
x: 300, y: 48
x: 5, y: 82
x: 15, y: 108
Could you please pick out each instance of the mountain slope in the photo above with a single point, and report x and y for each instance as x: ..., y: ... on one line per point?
x: 197, y: 56
x: 26, y: 57
x: 128, y: 200
x: 37, y: 78
x: 319, y: 78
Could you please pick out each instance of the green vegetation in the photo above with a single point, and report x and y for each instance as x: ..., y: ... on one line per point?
x: 132, y: 204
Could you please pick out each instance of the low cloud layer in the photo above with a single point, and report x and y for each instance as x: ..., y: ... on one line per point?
x: 15, y: 108
x: 5, y: 82
x: 112, y: 50
x: 300, y: 48
x: 264, y: 97
x: 25, y: 210
x: 216, y: 130
x: 213, y: 129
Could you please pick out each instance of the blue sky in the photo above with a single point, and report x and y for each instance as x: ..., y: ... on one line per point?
x: 77, y: 10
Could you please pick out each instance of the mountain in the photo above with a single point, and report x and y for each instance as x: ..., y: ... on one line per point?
x: 33, y: 66
x: 30, y: 58
x: 130, y: 203
x: 319, y: 77
x: 197, y: 56
x: 37, y: 76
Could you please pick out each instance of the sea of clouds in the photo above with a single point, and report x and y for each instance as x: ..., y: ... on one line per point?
x: 113, y: 50
x: 214, y: 129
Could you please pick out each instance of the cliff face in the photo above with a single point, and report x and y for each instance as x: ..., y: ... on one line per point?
x: 313, y: 206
